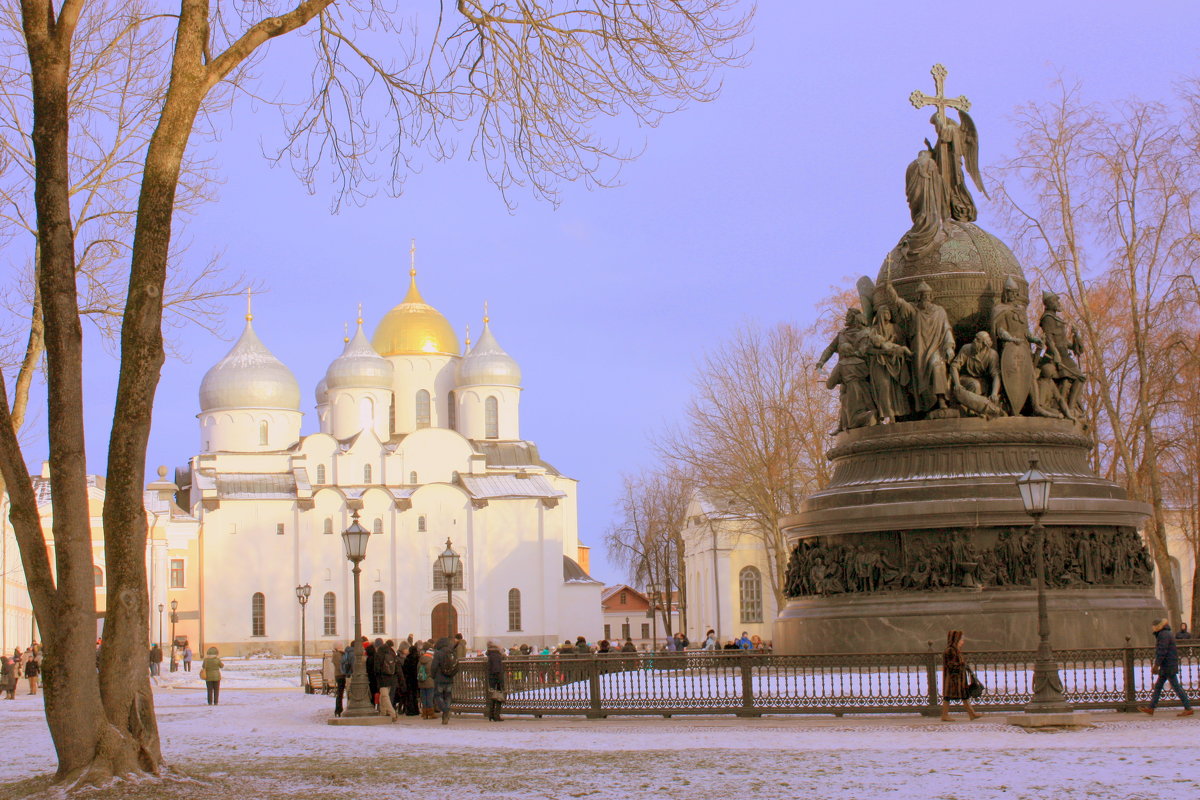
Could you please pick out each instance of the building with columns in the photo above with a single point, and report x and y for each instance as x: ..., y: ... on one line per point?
x: 422, y: 440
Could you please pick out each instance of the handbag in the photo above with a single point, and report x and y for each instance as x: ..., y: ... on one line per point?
x: 975, y: 687
x: 496, y: 694
x: 203, y: 674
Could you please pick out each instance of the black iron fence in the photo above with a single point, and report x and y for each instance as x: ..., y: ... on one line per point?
x: 752, y: 684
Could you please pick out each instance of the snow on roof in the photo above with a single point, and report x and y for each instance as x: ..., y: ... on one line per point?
x: 492, y: 486
x: 256, y: 486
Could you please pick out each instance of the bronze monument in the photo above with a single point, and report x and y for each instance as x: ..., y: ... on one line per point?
x: 946, y: 392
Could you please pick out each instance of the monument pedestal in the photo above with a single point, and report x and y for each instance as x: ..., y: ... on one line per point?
x: 1062, y: 719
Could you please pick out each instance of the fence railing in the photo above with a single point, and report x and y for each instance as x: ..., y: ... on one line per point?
x: 752, y: 684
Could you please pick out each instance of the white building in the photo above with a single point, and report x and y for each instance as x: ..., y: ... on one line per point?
x: 424, y: 442
x: 728, y: 583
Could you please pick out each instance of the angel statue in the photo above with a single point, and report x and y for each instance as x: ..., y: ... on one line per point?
x: 958, y: 143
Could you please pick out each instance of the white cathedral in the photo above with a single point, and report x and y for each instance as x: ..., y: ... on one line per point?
x: 424, y: 441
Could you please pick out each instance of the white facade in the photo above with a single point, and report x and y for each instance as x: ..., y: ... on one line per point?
x: 728, y: 583
x: 423, y: 457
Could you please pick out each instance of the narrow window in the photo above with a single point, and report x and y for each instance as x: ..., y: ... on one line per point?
x: 624, y: 631
x: 177, y: 573
x: 377, y: 619
x: 608, y: 631
x: 258, y: 615
x: 451, y: 412
x: 279, y: 529
x: 412, y: 478
x: 645, y: 630
x: 422, y: 409
x: 327, y: 529
x: 624, y: 598
x: 377, y: 526
x: 262, y: 432
x: 330, y: 614
x: 750, y: 594
x: 320, y: 473
x: 421, y: 524
x: 514, y: 609
x: 366, y: 473
x: 98, y: 574
x: 491, y: 418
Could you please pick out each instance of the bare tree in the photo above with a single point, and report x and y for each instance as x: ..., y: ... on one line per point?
x: 755, y: 432
x: 526, y: 78
x: 648, y: 538
x: 1100, y: 201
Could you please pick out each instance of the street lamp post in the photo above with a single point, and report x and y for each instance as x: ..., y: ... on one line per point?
x: 160, y: 619
x: 1047, y: 686
x: 302, y: 593
x: 174, y: 619
x: 450, y: 563
x: 358, y: 703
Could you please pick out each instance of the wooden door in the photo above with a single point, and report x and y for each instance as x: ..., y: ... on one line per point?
x: 444, y: 621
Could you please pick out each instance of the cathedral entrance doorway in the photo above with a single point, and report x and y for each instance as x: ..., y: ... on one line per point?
x: 444, y: 621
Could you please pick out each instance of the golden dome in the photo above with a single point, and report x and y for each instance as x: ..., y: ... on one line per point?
x: 414, y: 327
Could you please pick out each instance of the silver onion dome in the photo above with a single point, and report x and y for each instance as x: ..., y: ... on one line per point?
x: 487, y: 364
x: 322, y: 392
x: 249, y: 376
x: 359, y: 366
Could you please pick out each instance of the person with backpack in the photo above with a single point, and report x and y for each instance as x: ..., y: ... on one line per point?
x: 1166, y: 667
x: 410, y: 697
x: 339, y: 676
x: 387, y: 667
x: 425, y: 683
x: 444, y: 667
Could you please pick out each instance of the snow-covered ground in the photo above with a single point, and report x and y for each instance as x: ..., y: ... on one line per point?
x: 266, y: 741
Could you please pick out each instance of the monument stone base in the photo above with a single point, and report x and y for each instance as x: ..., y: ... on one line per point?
x: 1067, y: 719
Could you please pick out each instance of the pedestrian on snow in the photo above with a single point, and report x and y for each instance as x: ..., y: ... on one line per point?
x: 425, y: 683
x: 187, y: 658
x: 33, y: 666
x: 412, y: 689
x: 495, y: 681
x: 1166, y: 666
x: 445, y: 666
x: 8, y: 678
x: 339, y: 677
x: 372, y: 675
x: 710, y: 640
x: 156, y: 659
x: 387, y: 668
x: 1184, y: 633
x: 211, y: 673
x: 955, y: 676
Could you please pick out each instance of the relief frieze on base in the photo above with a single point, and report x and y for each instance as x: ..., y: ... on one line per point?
x: 973, y: 559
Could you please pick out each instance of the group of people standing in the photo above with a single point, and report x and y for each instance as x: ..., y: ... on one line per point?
x: 26, y: 664
x: 414, y: 677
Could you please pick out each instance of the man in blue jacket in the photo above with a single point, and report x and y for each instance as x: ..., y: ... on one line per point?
x: 1166, y: 666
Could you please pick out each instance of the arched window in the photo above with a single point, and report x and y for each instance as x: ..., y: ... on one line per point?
x: 421, y: 524
x: 377, y: 526
x: 366, y: 473
x: 750, y: 594
x: 320, y: 473
x: 491, y: 418
x: 327, y: 529
x: 377, y: 618
x: 330, y: 614
x: 412, y: 478
x: 451, y: 412
x: 258, y: 614
x: 99, y: 575
x: 514, y: 609
x: 422, y: 409
x: 262, y: 432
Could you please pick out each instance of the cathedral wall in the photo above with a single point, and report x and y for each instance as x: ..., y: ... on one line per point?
x: 472, y: 411
x: 434, y: 454
x: 249, y: 430
x: 411, y: 373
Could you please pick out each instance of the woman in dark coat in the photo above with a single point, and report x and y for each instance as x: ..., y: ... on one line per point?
x: 412, y: 657
x: 495, y: 681
x: 955, y: 677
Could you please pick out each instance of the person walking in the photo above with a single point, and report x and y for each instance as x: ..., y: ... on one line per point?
x: 339, y: 678
x: 1166, y: 667
x: 373, y: 669
x: 495, y: 681
x: 210, y: 673
x: 156, y: 659
x: 409, y: 698
x: 955, y: 676
x: 33, y: 666
x: 425, y: 683
x: 388, y: 677
x: 8, y: 678
x: 187, y: 658
x: 444, y: 668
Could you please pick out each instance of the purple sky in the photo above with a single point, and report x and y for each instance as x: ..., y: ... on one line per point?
x: 748, y: 208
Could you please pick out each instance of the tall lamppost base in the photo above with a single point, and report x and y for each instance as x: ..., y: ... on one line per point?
x: 1052, y: 719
